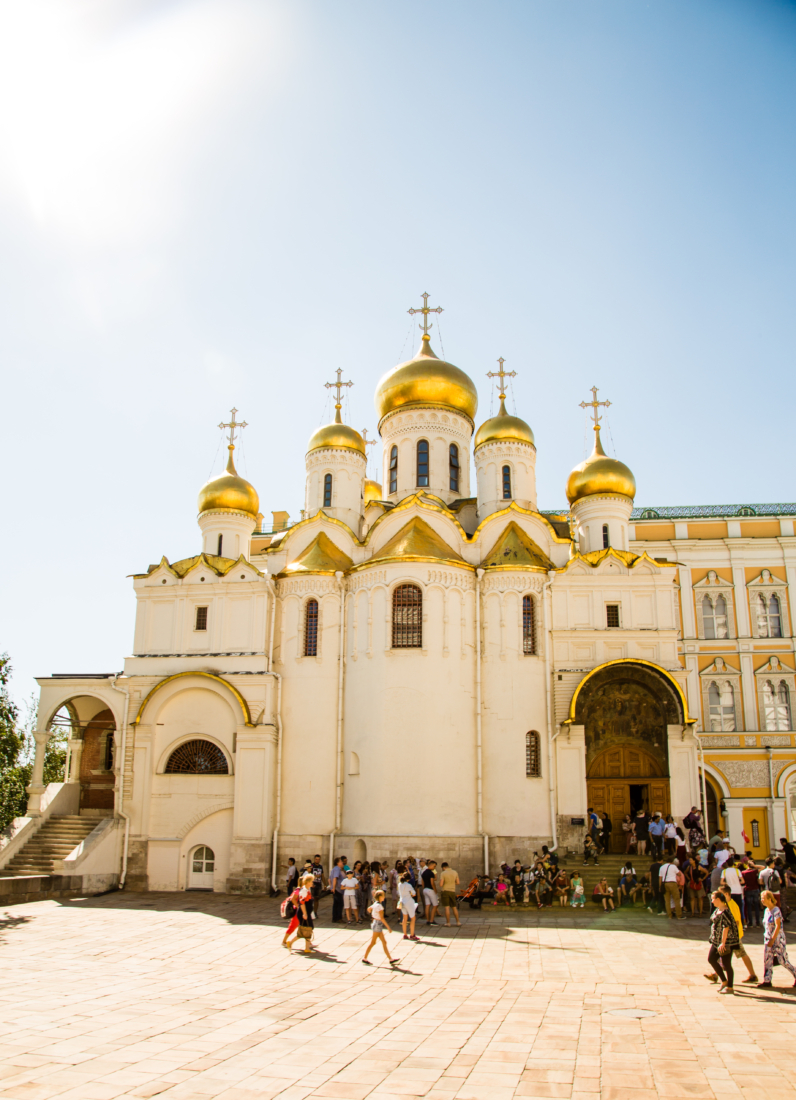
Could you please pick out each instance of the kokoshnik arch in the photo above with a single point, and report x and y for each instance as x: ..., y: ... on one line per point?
x: 524, y: 663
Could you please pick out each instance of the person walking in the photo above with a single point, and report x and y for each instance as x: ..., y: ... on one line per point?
x: 394, y: 878
x: 774, y: 943
x: 642, y: 826
x: 723, y: 938
x: 448, y: 881
x: 731, y: 878
x: 378, y: 927
x: 695, y: 875
x: 336, y: 879
x: 670, y: 876
x: 430, y: 896
x: 751, y: 895
x: 292, y: 928
x: 317, y: 883
x: 740, y: 951
x: 407, y: 905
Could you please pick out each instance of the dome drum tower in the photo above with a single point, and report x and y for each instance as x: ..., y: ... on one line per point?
x: 505, y: 458
x: 336, y: 464
x: 228, y: 507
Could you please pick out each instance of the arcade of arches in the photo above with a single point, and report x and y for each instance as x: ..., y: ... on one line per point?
x: 626, y: 711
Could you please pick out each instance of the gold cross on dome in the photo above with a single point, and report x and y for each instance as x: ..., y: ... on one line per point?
x: 502, y: 375
x: 339, y: 386
x: 232, y: 425
x: 425, y: 309
x: 594, y: 405
x: 368, y: 442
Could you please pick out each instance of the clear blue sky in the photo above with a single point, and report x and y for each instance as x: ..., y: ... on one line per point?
x: 207, y: 204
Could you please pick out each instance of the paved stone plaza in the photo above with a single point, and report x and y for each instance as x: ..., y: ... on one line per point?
x: 191, y: 995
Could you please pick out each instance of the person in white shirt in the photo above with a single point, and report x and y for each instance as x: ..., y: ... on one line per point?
x: 723, y: 854
x: 349, y: 887
x: 731, y: 879
x: 407, y: 905
x: 671, y: 889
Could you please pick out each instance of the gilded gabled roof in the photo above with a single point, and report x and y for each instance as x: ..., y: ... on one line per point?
x: 321, y: 556
x: 417, y: 541
x: 220, y: 566
x: 627, y: 557
x: 514, y: 548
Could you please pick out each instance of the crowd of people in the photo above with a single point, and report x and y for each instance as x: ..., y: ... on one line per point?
x: 687, y: 873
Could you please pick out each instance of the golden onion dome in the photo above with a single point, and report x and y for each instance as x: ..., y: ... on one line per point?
x: 426, y: 380
x: 504, y: 429
x: 372, y: 491
x: 228, y: 492
x: 338, y: 435
x: 600, y: 474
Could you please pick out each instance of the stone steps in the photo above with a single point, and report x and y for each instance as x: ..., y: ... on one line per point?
x: 55, y: 840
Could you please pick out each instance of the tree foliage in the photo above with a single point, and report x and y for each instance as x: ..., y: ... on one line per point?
x: 15, y: 763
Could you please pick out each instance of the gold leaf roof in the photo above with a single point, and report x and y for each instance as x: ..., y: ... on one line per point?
x: 416, y: 540
x: 321, y: 556
x: 515, y: 548
x: 426, y: 380
x: 229, y: 492
x: 600, y: 474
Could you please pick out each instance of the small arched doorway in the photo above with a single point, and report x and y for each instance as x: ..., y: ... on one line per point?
x: 201, y: 868
x: 360, y: 851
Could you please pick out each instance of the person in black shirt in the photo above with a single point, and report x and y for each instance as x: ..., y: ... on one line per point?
x: 517, y: 885
x: 316, y: 868
x: 430, y: 896
x: 656, y: 901
x: 789, y: 851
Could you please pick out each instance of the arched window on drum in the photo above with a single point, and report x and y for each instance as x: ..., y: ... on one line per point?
x: 454, y: 469
x: 327, y: 491
x: 407, y: 617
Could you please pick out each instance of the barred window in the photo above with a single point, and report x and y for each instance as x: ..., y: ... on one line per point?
x: 606, y: 537
x: 327, y: 491
x: 407, y: 617
x: 612, y: 615
x: 201, y: 618
x: 197, y: 758
x: 394, y: 470
x: 507, y: 483
x: 422, y: 463
x: 311, y: 628
x: 533, y: 763
x: 528, y: 625
x: 220, y: 544
x: 453, y: 463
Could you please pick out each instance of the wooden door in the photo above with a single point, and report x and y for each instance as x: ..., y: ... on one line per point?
x: 613, y: 799
x: 658, y: 796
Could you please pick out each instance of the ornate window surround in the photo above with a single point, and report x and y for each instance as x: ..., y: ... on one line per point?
x: 778, y: 673
x: 770, y: 586
x: 717, y: 672
x: 713, y: 585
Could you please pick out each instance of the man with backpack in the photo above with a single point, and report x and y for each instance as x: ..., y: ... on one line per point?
x: 771, y: 880
x: 672, y: 880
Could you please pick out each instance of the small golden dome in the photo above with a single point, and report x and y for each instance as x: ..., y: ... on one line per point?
x: 337, y: 434
x: 600, y: 474
x: 426, y: 380
x: 228, y: 492
x: 372, y: 491
x: 504, y: 428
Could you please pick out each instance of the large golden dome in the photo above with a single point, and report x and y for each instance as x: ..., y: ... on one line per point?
x: 337, y: 434
x: 600, y: 474
x: 426, y: 380
x: 504, y: 429
x: 228, y: 492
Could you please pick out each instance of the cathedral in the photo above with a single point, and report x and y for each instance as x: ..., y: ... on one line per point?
x: 430, y: 666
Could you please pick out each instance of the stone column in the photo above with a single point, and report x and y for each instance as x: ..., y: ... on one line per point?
x: 75, y: 753
x: 36, y: 788
x: 683, y: 786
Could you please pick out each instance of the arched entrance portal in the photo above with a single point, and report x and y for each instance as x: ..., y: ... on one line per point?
x: 626, y: 710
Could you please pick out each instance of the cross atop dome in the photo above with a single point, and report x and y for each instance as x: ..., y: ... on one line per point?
x: 594, y: 405
x: 339, y: 386
x: 425, y: 309
x: 233, y: 425
x: 502, y: 375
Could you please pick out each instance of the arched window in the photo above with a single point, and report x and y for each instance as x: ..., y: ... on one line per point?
x: 453, y: 466
x: 197, y: 758
x: 776, y: 706
x: 714, y: 617
x: 220, y: 545
x: 311, y: 628
x: 407, y: 617
x: 507, y: 482
x: 708, y: 617
x: 327, y: 491
x: 606, y: 537
x: 533, y: 762
x: 394, y: 470
x: 774, y: 618
x: 422, y: 463
x: 528, y: 625
x: 721, y: 700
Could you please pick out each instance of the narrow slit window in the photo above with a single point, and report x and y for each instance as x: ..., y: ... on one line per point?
x: 201, y: 618
x: 606, y: 537
x: 422, y: 463
x: 311, y: 628
x: 528, y: 625
x: 533, y: 764
x: 327, y: 491
x: 507, y: 482
x: 220, y: 545
x: 612, y: 615
x: 394, y: 470
x: 774, y: 618
x: 453, y: 463
x: 407, y: 617
x: 108, y: 761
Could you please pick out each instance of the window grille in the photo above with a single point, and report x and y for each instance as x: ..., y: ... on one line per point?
x: 776, y: 706
x: 327, y: 491
x: 507, y: 483
x: 407, y: 617
x: 721, y: 704
x: 612, y: 615
x: 201, y: 618
x: 528, y: 625
x: 394, y: 470
x: 422, y: 463
x: 453, y: 464
x: 606, y: 537
x: 197, y: 758
x: 533, y: 763
x: 204, y: 860
x: 311, y: 629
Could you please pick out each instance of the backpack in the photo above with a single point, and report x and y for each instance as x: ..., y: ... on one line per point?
x: 774, y: 882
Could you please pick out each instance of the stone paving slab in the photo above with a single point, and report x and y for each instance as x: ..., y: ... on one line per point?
x: 189, y: 997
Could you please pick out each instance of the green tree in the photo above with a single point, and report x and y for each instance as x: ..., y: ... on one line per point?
x: 15, y: 753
